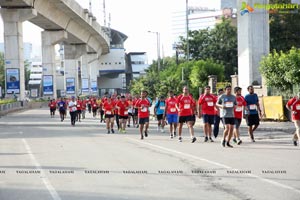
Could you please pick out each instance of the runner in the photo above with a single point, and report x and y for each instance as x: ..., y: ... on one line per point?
x: 159, y: 110
x: 293, y: 105
x: 109, y: 108
x: 217, y: 117
x: 73, y: 110
x: 116, y: 101
x: 252, y: 116
x: 172, y: 114
x: 238, y: 114
x: 206, y: 109
x: 130, y: 111
x: 185, y: 105
x: 52, y: 106
x: 79, y: 108
x: 94, y: 107
x: 227, y: 104
x: 143, y: 106
x: 136, y: 111
x: 83, y: 108
x: 89, y: 104
x: 122, y: 107
x: 62, y: 109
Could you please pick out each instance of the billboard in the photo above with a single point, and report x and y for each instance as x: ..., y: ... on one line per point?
x: 13, y: 81
x: 48, y: 84
x: 85, y: 85
x: 70, y: 85
x: 94, y: 86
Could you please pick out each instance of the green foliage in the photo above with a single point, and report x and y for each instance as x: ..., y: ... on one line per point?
x: 219, y: 44
x: 2, y: 72
x: 284, y: 29
x: 6, y: 101
x: 195, y: 75
x: 282, y: 70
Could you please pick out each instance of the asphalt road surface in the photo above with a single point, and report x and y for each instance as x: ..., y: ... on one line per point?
x: 42, y: 158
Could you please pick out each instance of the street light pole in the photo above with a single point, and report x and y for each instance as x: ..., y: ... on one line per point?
x: 187, y: 30
x: 158, y: 48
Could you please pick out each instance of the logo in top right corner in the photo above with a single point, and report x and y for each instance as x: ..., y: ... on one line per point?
x: 245, y: 8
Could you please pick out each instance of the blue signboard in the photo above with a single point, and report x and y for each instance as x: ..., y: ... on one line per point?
x: 70, y: 85
x: 13, y: 81
x: 85, y: 85
x: 48, y: 84
x: 94, y: 86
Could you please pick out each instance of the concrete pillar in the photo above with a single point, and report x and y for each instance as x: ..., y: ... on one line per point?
x: 49, y: 40
x: 234, y: 81
x: 13, y: 42
x: 212, y: 82
x: 253, y: 42
x: 90, y: 69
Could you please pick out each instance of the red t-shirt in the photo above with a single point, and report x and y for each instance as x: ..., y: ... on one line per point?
x: 171, y: 105
x: 186, y: 105
x: 143, y: 107
x: 94, y: 104
x: 109, y: 108
x: 52, y: 104
x: 295, y: 105
x: 84, y: 104
x: 79, y: 105
x: 207, y: 103
x: 238, y: 111
x: 123, y: 111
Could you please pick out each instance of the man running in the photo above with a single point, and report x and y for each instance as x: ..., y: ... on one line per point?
x: 52, y: 106
x: 238, y: 114
x: 293, y: 105
x: 109, y: 109
x: 186, y: 105
x: 122, y: 107
x: 143, y: 106
x: 217, y: 116
x: 227, y: 104
x: 79, y: 109
x: 206, y: 109
x: 172, y: 113
x: 62, y: 109
x: 159, y: 110
x: 73, y: 110
x: 254, y: 113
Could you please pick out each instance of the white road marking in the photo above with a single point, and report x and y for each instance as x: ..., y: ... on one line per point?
x: 216, y: 164
x: 44, y: 178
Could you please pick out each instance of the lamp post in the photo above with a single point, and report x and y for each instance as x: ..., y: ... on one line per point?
x: 158, y: 48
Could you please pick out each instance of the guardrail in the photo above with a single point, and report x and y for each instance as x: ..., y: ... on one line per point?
x: 19, y: 105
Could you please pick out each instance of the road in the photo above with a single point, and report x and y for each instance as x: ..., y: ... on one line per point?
x: 45, y: 159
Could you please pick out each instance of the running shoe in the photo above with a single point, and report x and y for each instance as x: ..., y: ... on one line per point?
x: 112, y: 131
x: 253, y: 140
x: 171, y: 136
x: 234, y: 140
x: 180, y: 139
x: 162, y: 130
x: 108, y: 132
x: 146, y: 134
x: 211, y: 140
x: 142, y: 137
x: 174, y: 134
x: 229, y: 145
x: 206, y: 139
x: 194, y: 139
x: 128, y: 125
x: 239, y: 142
x: 295, y: 143
x: 223, y: 143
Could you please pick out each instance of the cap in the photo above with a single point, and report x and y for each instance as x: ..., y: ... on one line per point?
x: 162, y: 97
x: 123, y: 96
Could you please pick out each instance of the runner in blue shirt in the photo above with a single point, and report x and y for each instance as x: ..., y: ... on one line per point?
x: 159, y: 110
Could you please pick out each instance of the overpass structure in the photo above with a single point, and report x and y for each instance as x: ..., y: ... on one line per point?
x: 63, y: 21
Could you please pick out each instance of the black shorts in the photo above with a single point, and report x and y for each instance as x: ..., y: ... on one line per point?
x: 210, y: 119
x: 52, y: 109
x: 143, y: 120
x: 184, y: 119
x: 237, y: 123
x: 136, y: 112
x: 130, y: 114
x: 252, y: 120
x: 95, y: 109
x: 109, y: 116
x: 63, y: 112
x: 78, y: 111
x: 229, y: 120
x: 123, y: 117
x: 159, y: 117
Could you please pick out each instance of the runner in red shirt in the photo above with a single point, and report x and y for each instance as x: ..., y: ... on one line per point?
x: 109, y: 108
x: 206, y: 109
x: 122, y: 107
x: 79, y: 109
x: 52, y: 106
x: 238, y: 114
x: 186, y: 106
x: 293, y: 105
x: 94, y: 107
x: 143, y: 105
x: 172, y: 113
x: 83, y: 108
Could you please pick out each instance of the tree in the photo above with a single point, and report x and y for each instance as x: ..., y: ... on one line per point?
x: 2, y: 72
x: 218, y: 44
x: 281, y: 70
x: 284, y: 29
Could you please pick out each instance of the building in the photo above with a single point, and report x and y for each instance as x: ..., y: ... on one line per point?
x: 137, y: 63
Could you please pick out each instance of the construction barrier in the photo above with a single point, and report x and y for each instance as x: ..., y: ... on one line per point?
x: 273, y: 107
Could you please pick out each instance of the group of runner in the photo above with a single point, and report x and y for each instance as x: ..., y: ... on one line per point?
x: 176, y: 111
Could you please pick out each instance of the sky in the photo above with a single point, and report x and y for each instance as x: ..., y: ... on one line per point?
x: 134, y: 18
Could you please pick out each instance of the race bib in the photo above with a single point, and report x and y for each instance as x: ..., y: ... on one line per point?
x: 229, y: 104
x: 298, y: 107
x: 173, y: 109
x: 162, y: 107
x: 187, y: 106
x: 61, y: 105
x: 210, y: 103
x: 144, y: 109
x: 125, y: 112
x: 238, y: 109
x: 95, y: 105
x: 108, y: 112
x: 73, y: 109
x: 78, y: 106
x: 252, y: 107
